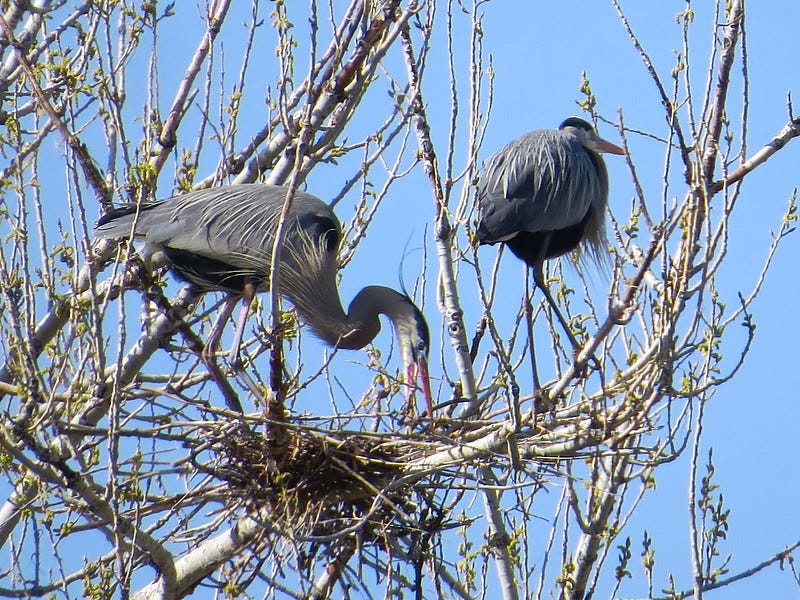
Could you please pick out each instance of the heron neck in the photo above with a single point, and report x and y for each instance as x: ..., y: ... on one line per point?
x: 361, y: 324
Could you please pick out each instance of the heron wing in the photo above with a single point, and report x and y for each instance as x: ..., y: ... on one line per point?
x: 542, y: 181
x: 233, y: 226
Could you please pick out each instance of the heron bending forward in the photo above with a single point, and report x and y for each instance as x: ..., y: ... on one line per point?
x: 222, y: 238
x: 545, y: 194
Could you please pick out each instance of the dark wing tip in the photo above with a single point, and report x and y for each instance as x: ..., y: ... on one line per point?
x: 116, y: 213
x: 124, y: 211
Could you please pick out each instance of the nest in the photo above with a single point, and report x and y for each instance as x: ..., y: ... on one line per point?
x: 318, y: 482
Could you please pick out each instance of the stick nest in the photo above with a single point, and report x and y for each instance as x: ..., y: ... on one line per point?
x: 320, y: 482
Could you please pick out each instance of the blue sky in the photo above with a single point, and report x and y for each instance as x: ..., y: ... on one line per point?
x: 750, y: 423
x: 539, y: 52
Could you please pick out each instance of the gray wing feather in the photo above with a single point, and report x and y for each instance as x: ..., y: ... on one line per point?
x: 543, y: 181
x: 234, y: 224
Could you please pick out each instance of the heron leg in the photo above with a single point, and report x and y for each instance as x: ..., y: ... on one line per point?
x: 538, y: 277
x: 212, y: 342
x: 234, y: 356
x: 529, y: 323
x: 208, y: 355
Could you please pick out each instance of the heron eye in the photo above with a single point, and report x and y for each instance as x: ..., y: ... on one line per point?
x: 422, y: 346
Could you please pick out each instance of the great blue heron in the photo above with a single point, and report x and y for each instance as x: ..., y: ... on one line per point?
x: 545, y: 194
x: 222, y: 239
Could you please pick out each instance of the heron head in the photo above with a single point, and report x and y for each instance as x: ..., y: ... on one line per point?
x: 414, y: 336
x: 588, y: 136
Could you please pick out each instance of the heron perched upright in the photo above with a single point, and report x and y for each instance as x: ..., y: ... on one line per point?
x: 545, y: 194
x: 222, y: 239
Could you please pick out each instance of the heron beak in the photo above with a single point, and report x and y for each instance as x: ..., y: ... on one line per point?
x: 420, y: 366
x: 601, y: 145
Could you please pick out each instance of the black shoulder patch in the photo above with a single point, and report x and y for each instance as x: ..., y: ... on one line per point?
x: 321, y: 227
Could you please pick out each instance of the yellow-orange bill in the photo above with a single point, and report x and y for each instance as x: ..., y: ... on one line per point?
x: 606, y: 146
x: 421, y: 365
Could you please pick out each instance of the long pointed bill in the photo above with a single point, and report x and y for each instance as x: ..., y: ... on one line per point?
x: 602, y: 145
x: 420, y: 365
